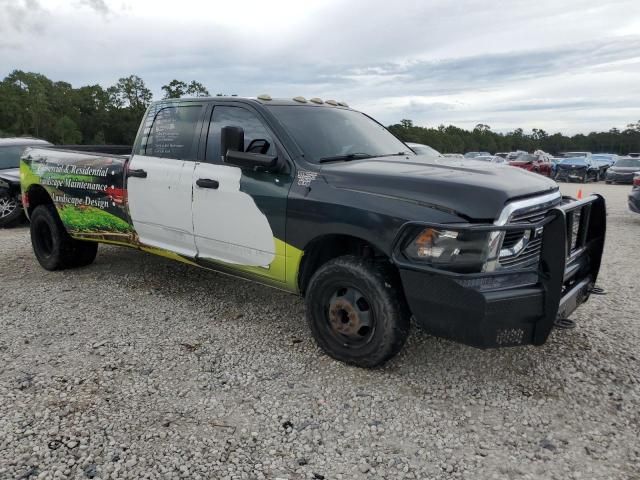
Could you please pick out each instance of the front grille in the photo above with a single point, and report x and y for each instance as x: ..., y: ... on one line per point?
x: 529, y: 256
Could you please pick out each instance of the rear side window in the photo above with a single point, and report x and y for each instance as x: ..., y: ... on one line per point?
x: 172, y: 133
x: 10, y: 156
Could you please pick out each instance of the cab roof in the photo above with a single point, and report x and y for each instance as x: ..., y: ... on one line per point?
x: 258, y: 100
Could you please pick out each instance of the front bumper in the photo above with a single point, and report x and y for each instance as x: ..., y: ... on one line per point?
x: 461, y: 307
x: 570, y: 173
x: 619, y: 177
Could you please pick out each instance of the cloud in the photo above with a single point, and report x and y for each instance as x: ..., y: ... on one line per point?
x: 98, y: 5
x: 464, y: 62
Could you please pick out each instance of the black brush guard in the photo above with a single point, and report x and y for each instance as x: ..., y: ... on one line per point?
x: 451, y: 305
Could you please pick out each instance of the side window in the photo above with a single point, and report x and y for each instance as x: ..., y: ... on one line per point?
x: 172, y: 133
x: 254, y: 132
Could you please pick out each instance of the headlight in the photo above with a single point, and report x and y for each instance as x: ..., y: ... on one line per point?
x: 463, y: 251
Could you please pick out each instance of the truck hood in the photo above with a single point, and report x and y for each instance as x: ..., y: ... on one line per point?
x: 473, y: 189
x: 12, y: 175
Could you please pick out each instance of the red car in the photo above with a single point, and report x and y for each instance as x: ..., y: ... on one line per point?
x: 538, y: 162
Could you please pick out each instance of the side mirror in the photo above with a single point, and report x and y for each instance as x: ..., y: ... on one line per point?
x: 231, y: 138
x: 232, y: 148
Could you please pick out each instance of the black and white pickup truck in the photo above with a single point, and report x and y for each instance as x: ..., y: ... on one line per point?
x: 321, y: 200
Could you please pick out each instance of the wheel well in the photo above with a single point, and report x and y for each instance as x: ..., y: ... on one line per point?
x: 320, y: 250
x: 37, y: 195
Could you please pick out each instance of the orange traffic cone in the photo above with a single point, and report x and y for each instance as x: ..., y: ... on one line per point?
x: 579, y: 194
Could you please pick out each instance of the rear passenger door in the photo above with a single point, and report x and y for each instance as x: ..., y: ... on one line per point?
x: 239, y: 214
x: 160, y: 175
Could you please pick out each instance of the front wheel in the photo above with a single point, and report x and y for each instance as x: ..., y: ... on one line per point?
x: 52, y: 245
x: 356, y: 311
x: 10, y: 209
x: 585, y: 178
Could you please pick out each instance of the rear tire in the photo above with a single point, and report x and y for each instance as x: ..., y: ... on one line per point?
x: 52, y: 245
x: 357, y: 312
x: 10, y: 209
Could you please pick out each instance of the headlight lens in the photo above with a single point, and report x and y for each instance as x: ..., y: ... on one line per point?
x: 457, y: 251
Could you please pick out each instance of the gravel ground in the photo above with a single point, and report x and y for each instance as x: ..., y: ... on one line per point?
x: 137, y: 367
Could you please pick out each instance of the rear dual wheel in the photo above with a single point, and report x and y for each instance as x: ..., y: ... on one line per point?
x: 52, y: 245
x: 356, y: 311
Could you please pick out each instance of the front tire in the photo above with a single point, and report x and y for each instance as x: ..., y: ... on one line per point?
x: 10, y: 209
x: 356, y: 311
x: 52, y: 245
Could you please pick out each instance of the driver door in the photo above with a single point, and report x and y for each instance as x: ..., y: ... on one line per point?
x: 239, y: 214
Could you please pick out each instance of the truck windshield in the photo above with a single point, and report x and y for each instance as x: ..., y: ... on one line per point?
x: 336, y: 134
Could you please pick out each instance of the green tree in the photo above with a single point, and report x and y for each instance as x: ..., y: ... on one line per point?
x: 196, y: 89
x: 175, y: 89
x: 66, y: 131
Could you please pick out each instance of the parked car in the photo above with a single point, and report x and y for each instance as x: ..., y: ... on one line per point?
x: 623, y: 170
x: 453, y: 155
x: 576, y: 154
x: 634, y: 196
x: 321, y: 200
x: 476, y: 154
x: 11, y: 149
x: 633, y: 155
x: 515, y: 154
x: 421, y: 149
x: 502, y: 154
x: 604, y: 161
x: 537, y: 162
x: 581, y: 169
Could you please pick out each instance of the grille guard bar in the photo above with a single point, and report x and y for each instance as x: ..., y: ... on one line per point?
x: 564, y: 267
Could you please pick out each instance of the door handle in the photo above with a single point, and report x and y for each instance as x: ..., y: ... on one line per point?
x: 207, y: 183
x: 138, y: 173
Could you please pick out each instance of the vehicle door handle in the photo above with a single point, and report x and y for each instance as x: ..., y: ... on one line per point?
x: 138, y: 173
x: 207, y: 183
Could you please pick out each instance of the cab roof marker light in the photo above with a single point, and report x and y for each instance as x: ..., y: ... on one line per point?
x: 343, y: 104
x: 264, y: 97
x: 300, y: 99
x: 316, y: 100
x: 332, y: 102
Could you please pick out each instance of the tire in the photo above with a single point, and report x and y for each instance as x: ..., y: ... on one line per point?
x: 10, y: 209
x: 597, y: 179
x: 52, y: 245
x: 585, y: 178
x: 608, y: 182
x: 357, y: 312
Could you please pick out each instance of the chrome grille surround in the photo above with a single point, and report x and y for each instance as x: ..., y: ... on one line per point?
x: 520, y: 249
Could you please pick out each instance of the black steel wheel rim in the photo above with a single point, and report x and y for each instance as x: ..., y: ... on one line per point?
x: 350, y: 317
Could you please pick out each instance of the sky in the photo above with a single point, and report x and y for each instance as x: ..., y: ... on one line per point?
x: 571, y: 66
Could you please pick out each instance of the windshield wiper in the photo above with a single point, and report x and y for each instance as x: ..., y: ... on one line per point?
x: 399, y: 154
x: 345, y: 158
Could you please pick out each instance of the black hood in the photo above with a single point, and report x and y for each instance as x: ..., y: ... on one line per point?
x: 474, y: 189
x: 11, y: 175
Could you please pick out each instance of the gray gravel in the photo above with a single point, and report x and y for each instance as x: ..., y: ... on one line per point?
x: 137, y: 367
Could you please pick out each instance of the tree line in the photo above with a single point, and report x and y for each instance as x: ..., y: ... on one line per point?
x: 32, y: 104
x: 451, y: 139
